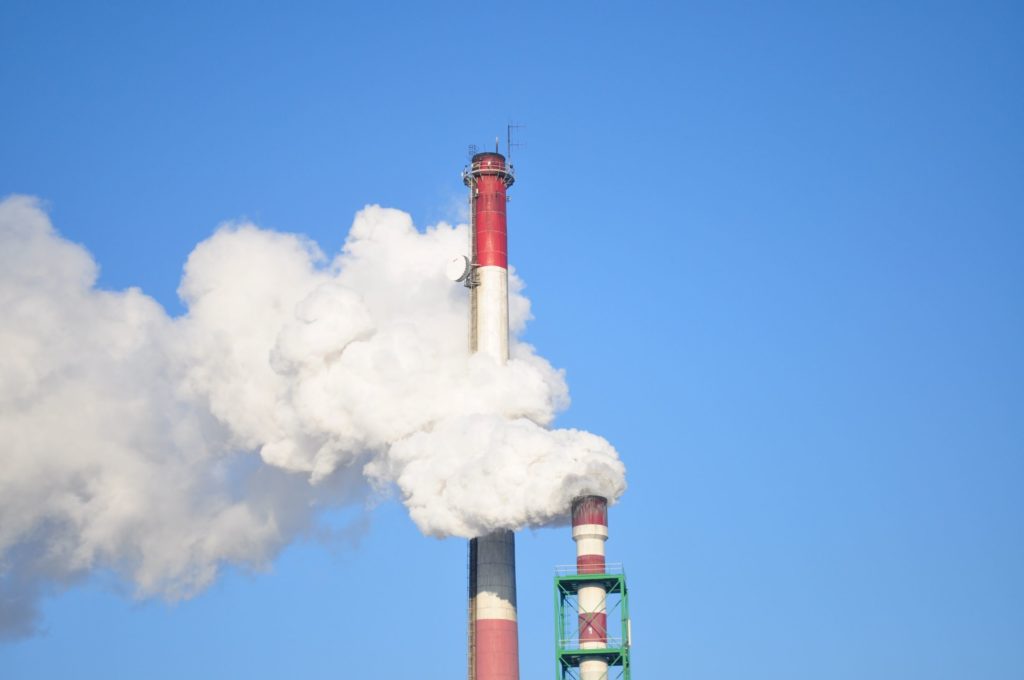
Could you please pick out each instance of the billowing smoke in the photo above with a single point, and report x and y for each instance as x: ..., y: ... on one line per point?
x: 160, y: 448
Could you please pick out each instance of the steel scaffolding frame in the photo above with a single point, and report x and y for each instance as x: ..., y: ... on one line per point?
x: 568, y: 653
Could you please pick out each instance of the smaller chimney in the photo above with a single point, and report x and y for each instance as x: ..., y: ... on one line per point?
x: 585, y: 649
x: 590, y: 531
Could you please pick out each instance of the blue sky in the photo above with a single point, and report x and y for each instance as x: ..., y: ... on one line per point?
x: 777, y: 250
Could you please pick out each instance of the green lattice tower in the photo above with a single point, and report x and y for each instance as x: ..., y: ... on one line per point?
x: 568, y: 654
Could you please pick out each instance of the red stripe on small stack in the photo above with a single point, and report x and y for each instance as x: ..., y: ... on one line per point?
x: 590, y: 564
x: 590, y: 510
x: 594, y: 627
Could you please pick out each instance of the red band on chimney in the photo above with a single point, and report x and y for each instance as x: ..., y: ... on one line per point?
x: 590, y: 564
x: 590, y: 510
x: 489, y: 207
x: 594, y: 627
x: 497, y: 650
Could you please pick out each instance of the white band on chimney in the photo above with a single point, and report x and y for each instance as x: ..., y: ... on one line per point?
x: 492, y: 312
x: 595, y: 530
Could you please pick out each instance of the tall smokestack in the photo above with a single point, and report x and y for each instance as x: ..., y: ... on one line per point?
x: 493, y: 629
x: 590, y: 531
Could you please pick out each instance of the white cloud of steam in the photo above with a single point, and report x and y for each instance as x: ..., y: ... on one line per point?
x: 161, y: 448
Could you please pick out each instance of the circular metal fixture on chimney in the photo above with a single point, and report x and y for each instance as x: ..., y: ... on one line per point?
x: 458, y: 268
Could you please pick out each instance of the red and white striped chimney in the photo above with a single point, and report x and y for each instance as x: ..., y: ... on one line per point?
x: 590, y: 531
x: 493, y: 629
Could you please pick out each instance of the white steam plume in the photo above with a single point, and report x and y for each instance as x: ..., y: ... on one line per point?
x: 162, y: 447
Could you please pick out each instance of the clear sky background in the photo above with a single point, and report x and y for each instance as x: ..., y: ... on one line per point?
x: 776, y: 246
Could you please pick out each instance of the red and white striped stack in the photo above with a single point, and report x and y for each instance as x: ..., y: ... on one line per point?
x: 590, y: 531
x: 494, y: 632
